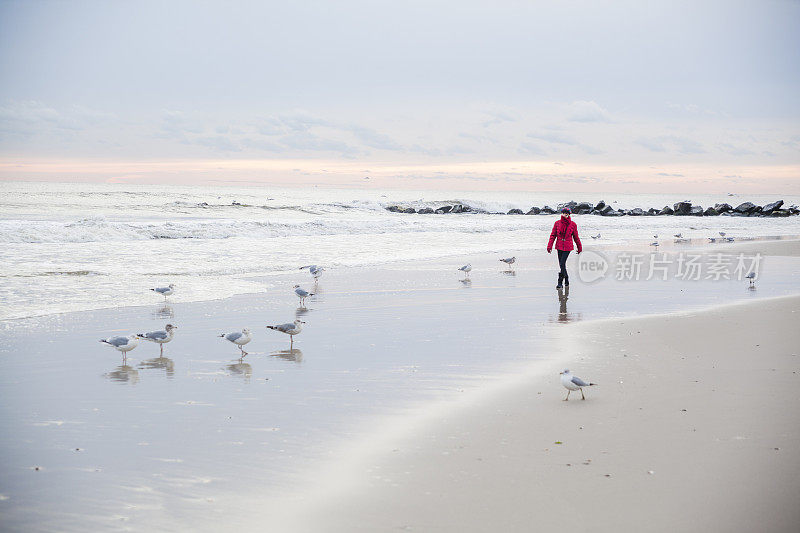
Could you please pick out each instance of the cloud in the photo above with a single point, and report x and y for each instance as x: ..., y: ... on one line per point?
x: 555, y: 137
x: 671, y: 143
x: 531, y: 148
x: 28, y: 118
x: 374, y: 139
x: 735, y: 150
x: 587, y: 111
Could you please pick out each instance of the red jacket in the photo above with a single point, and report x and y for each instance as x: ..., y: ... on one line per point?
x: 564, y: 231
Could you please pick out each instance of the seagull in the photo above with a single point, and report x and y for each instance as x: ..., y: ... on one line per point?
x: 122, y: 344
x: 466, y: 269
x: 303, y: 294
x: 722, y: 233
x: 238, y: 338
x: 679, y: 235
x: 509, y: 261
x: 165, y: 291
x: 654, y: 244
x: 572, y: 383
x: 159, y: 337
x: 315, y: 270
x: 752, y: 277
x: 595, y: 236
x: 729, y: 239
x: 712, y: 239
x: 655, y: 236
x: 291, y: 329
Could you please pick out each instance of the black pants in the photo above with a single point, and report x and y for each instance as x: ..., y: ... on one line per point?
x: 562, y: 264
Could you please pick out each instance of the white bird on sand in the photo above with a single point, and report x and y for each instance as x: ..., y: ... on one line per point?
x: 315, y: 270
x: 679, y: 235
x: 752, y: 277
x: 572, y: 383
x: 466, y: 269
x: 165, y: 291
x: 595, y: 236
x: 655, y: 236
x: 654, y: 244
x: 122, y: 344
x: 712, y: 239
x: 722, y: 234
x: 239, y: 338
x: 509, y: 261
x: 303, y: 294
x: 291, y: 329
x: 159, y: 337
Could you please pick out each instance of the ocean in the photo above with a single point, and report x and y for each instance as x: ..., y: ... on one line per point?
x: 73, y: 247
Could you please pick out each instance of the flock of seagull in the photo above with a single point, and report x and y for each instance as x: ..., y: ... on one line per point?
x: 126, y: 343
x: 679, y: 238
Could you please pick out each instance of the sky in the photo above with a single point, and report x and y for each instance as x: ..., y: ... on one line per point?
x: 529, y: 95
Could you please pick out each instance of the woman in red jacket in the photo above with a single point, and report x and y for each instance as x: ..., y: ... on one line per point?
x: 564, y: 231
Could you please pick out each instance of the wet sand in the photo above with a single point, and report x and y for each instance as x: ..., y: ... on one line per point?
x: 693, y: 427
x: 200, y: 439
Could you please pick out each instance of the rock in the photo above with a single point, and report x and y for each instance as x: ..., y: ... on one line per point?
x: 780, y: 213
x: 609, y: 211
x: 572, y: 204
x: 425, y: 211
x: 710, y: 212
x: 722, y: 208
x: 794, y: 210
x: 583, y: 208
x: 534, y: 211
x: 408, y: 210
x: 515, y: 212
x: 666, y: 211
x: 769, y: 208
x: 696, y: 211
x: 636, y: 212
x: 745, y: 208
x: 547, y: 210
x: 457, y: 208
x: 755, y: 212
x: 652, y: 212
x: 393, y: 209
x: 682, y: 208
x: 600, y: 205
x: 444, y: 209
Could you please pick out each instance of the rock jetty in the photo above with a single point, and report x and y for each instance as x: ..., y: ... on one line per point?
x: 679, y: 209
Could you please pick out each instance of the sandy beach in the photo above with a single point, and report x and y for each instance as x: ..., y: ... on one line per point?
x: 693, y: 427
x: 414, y: 399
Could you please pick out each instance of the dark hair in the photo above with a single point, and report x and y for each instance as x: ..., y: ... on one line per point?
x: 565, y: 211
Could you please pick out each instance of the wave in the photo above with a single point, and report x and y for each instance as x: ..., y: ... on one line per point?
x: 100, y: 229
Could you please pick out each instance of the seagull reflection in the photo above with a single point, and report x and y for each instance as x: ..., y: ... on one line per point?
x: 294, y: 355
x: 160, y: 362
x: 123, y: 374
x: 163, y: 312
x: 240, y: 368
x: 466, y: 282
x: 301, y: 311
x: 509, y: 272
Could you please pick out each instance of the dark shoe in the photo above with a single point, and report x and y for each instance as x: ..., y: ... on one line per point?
x: 566, y: 281
x: 560, y: 281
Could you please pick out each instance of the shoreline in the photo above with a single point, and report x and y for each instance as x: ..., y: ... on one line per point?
x: 433, y: 475
x: 775, y: 245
